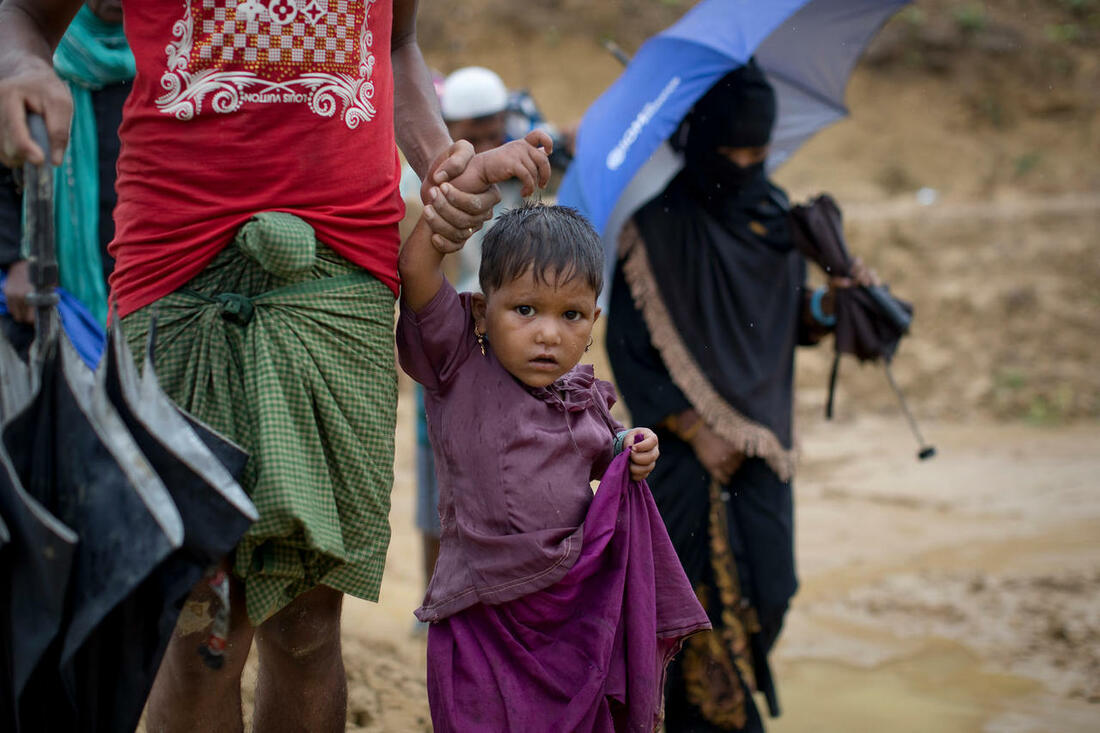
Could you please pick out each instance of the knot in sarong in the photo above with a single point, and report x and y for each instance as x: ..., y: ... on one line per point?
x: 235, y: 307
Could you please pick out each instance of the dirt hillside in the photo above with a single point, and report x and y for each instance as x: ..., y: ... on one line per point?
x: 991, y: 108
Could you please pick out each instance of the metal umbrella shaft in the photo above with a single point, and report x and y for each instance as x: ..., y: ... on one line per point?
x: 41, y: 251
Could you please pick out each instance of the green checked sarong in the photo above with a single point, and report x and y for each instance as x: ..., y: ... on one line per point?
x: 288, y: 349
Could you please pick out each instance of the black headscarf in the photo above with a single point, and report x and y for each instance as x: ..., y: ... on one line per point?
x: 721, y: 255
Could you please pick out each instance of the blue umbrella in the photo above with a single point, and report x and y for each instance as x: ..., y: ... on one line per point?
x: 807, y: 49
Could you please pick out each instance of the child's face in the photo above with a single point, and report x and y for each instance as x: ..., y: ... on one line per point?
x: 538, y: 332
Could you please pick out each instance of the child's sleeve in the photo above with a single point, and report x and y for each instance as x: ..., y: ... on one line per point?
x: 607, y: 397
x: 433, y: 344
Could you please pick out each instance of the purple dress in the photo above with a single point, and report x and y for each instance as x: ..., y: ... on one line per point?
x: 540, y: 589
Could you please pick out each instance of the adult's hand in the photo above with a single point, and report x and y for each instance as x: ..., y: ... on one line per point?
x: 860, y: 275
x: 16, y: 289
x: 34, y: 87
x: 453, y: 214
x: 29, y: 32
x: 716, y: 454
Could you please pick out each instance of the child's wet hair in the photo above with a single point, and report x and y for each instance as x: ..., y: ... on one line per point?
x: 555, y: 242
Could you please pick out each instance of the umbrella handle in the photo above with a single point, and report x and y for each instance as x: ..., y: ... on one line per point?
x: 889, y: 307
x: 38, y: 221
x: 615, y: 50
x: 39, y: 240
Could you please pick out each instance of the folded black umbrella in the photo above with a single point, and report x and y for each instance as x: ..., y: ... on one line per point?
x: 93, y: 453
x: 870, y: 321
x: 73, y: 453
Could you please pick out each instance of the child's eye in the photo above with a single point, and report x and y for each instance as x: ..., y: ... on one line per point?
x: 525, y: 310
x: 572, y: 315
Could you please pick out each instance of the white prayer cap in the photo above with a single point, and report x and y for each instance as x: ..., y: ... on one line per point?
x: 472, y: 92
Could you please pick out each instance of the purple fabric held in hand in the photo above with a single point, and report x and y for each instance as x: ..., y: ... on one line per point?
x: 587, y: 653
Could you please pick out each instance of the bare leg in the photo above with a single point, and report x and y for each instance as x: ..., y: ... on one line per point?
x: 301, y: 684
x: 189, y: 696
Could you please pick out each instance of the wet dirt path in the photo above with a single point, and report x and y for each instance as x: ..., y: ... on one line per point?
x: 961, y: 594
x: 957, y: 596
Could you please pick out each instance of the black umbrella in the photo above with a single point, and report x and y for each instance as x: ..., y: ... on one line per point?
x: 73, y: 454
x: 97, y: 451
x: 870, y: 321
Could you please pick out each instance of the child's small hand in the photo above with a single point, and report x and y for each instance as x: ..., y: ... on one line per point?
x: 523, y: 159
x: 642, y: 444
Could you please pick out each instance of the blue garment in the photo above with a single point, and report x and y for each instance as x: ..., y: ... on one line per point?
x: 81, y: 326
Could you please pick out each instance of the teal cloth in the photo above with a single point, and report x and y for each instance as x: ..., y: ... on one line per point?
x: 92, y: 54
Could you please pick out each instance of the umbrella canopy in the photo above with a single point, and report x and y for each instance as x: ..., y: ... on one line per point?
x: 806, y: 48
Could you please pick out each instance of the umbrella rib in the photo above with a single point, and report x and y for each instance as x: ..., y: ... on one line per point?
x: 812, y: 93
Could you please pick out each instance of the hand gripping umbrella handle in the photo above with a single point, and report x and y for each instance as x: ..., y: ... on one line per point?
x: 38, y: 221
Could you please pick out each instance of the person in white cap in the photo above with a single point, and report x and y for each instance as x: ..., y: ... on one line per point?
x: 474, y: 102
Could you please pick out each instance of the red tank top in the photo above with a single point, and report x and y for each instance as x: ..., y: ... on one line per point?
x: 247, y: 106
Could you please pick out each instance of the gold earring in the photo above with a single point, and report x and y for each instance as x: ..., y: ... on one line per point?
x: 480, y: 340
x: 589, y: 346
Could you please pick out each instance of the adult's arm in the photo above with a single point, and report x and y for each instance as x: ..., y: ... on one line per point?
x: 29, y: 32
x: 423, y: 137
x: 421, y: 134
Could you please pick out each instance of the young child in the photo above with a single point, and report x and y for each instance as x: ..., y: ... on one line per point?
x: 550, y: 609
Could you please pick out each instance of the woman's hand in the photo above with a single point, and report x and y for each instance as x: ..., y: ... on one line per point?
x: 861, y: 275
x: 716, y: 454
x: 642, y: 444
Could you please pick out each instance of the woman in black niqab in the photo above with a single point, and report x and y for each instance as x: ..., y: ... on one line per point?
x: 707, y: 308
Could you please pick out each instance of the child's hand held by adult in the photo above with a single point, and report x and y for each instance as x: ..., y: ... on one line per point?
x: 644, y: 451
x: 526, y: 160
